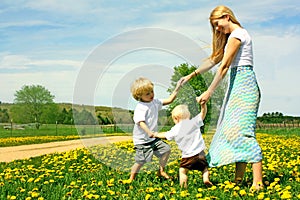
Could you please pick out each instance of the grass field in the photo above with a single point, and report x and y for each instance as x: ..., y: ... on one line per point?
x: 102, y: 173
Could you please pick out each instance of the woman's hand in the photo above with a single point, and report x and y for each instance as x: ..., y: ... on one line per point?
x: 204, y: 97
x: 184, y: 79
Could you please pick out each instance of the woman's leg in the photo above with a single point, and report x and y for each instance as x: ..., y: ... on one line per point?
x: 257, y: 175
x: 240, y: 168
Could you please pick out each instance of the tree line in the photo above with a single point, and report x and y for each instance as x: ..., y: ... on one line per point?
x: 277, y: 118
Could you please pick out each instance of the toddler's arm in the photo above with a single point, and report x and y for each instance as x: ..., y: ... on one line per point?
x: 203, y: 108
x: 173, y: 95
x: 160, y: 135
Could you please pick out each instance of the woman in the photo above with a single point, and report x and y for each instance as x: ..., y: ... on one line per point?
x: 234, y: 140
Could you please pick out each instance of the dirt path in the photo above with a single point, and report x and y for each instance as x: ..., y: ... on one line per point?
x: 8, y: 154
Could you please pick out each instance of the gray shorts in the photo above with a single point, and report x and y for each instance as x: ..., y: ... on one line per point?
x: 144, y: 152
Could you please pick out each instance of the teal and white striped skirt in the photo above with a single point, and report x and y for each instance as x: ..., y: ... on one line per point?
x: 235, y: 139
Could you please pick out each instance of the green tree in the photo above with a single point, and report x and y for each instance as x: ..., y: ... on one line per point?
x: 195, y: 87
x: 84, y: 117
x: 4, y: 116
x: 65, y: 116
x: 34, y: 103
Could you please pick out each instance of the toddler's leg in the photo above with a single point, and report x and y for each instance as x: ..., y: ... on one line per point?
x: 162, y: 163
x: 135, y: 170
x: 257, y: 175
x: 205, y: 175
x: 183, y: 177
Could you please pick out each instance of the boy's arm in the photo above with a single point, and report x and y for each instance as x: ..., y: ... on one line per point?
x: 173, y: 95
x: 144, y: 126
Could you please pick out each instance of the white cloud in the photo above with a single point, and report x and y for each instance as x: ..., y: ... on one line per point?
x: 22, y: 62
x: 60, y: 84
x: 14, y: 62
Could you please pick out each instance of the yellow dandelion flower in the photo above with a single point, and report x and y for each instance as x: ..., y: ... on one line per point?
x: 161, y: 195
x: 261, y: 195
x: 147, y: 196
x: 34, y: 194
x: 184, y: 193
x: 37, y: 180
x: 46, y: 182
x: 235, y: 194
x: 243, y: 192
x: 128, y: 181
x: 277, y: 179
x: 30, y: 180
x: 111, y: 192
x: 288, y: 187
x: 73, y: 183
x: 213, y: 187
x: 150, y: 189
x: 199, y: 195
x: 236, y: 188
x: 286, y: 195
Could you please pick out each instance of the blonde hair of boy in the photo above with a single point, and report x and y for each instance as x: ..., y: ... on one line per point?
x: 181, y: 112
x: 219, y: 39
x: 141, y: 86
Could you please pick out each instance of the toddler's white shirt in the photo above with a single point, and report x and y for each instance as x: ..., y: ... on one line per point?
x: 188, y: 136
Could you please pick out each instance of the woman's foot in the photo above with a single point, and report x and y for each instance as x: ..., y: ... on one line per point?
x: 257, y: 186
x: 238, y: 181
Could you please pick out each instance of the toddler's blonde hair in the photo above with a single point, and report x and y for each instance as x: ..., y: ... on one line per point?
x: 141, y: 86
x: 181, y: 111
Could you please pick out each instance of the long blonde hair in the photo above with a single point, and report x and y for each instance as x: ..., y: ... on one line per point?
x: 219, y: 39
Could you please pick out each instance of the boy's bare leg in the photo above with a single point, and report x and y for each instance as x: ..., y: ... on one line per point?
x: 162, y: 163
x: 183, y: 177
x: 135, y: 170
x: 205, y: 175
x: 257, y: 175
x: 240, y: 168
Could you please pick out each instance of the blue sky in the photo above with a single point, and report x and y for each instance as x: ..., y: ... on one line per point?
x: 50, y: 42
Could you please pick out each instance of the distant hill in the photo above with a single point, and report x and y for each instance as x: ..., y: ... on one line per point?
x: 118, y: 115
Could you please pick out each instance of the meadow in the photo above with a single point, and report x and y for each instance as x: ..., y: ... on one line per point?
x: 102, y: 172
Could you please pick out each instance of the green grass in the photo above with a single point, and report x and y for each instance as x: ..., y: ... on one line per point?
x: 281, y: 131
x: 101, y: 172
x: 53, y: 132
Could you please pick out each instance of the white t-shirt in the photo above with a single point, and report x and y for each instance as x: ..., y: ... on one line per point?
x: 188, y: 136
x: 147, y: 112
x: 245, y: 54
